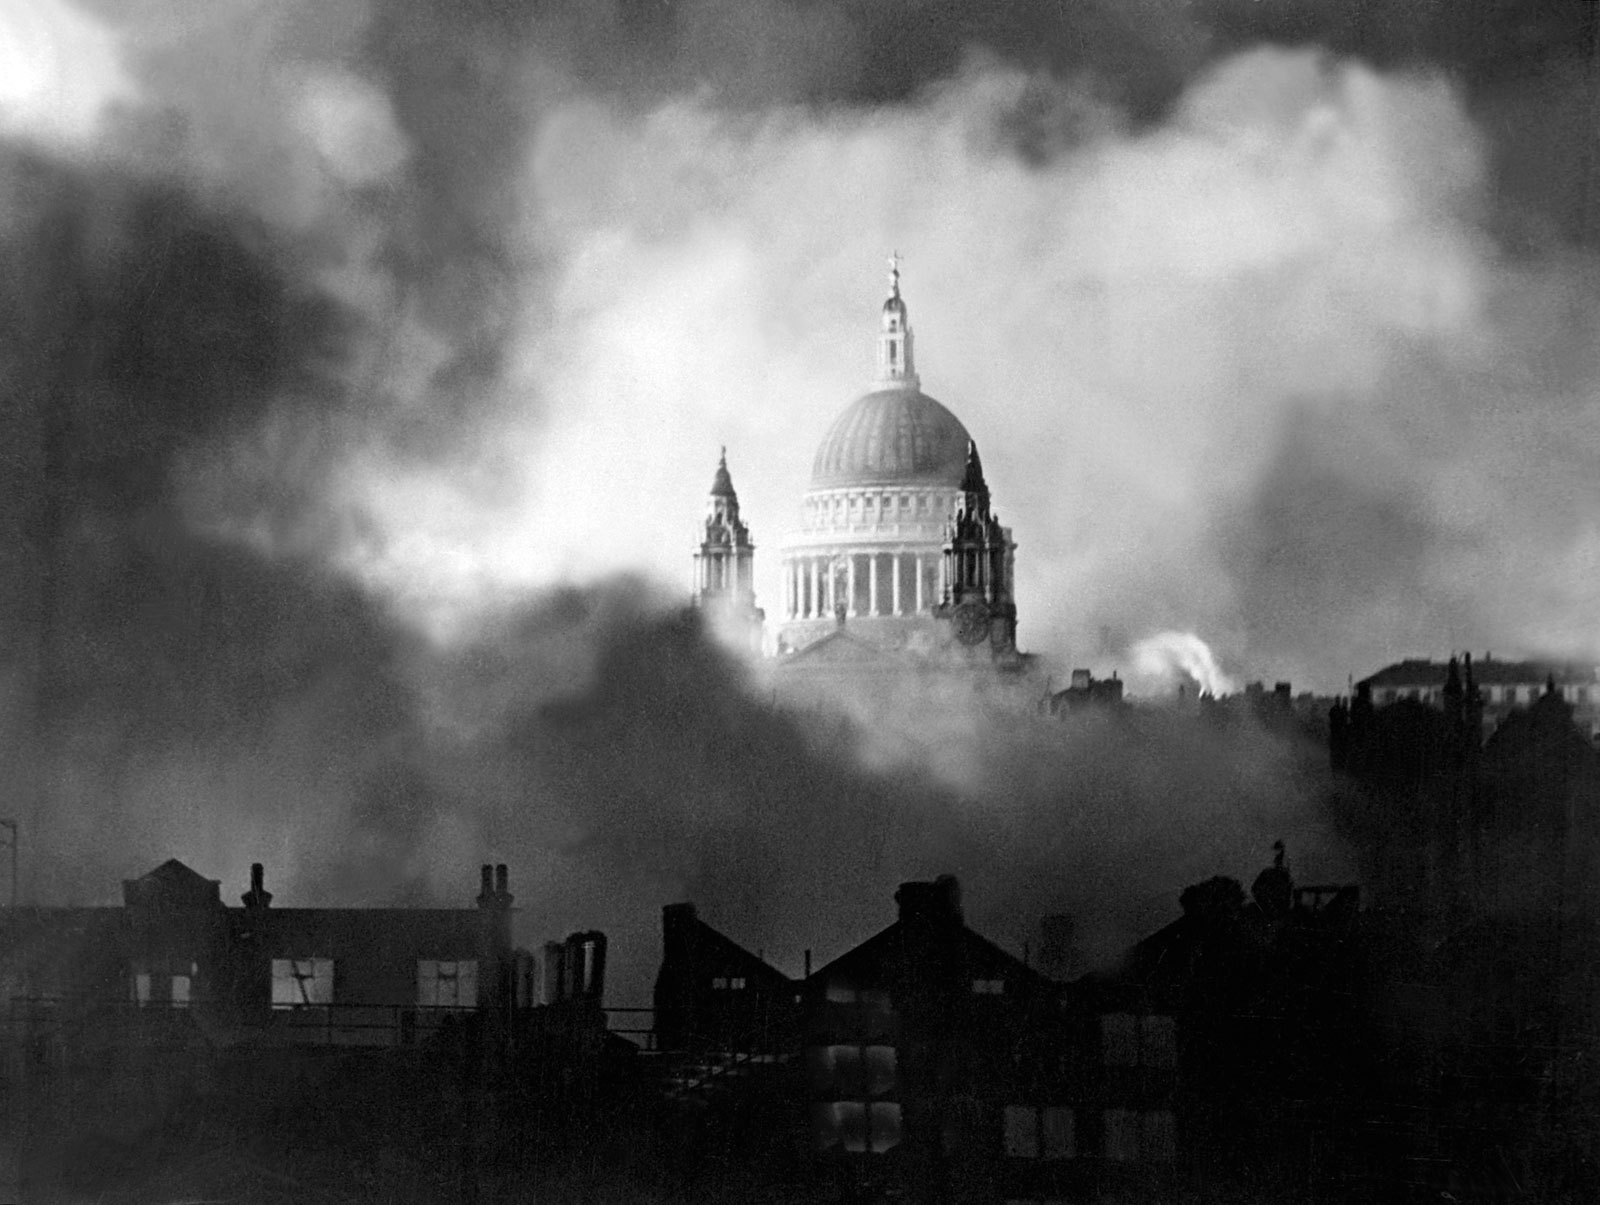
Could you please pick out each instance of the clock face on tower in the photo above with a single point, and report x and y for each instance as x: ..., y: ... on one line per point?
x: 971, y: 622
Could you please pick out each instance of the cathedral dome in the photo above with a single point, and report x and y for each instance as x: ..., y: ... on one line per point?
x: 892, y: 437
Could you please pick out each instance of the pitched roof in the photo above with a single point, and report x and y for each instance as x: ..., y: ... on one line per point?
x: 173, y: 873
x: 839, y: 646
x: 981, y: 954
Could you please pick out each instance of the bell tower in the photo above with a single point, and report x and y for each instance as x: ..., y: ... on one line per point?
x: 724, y: 565
x: 979, y: 567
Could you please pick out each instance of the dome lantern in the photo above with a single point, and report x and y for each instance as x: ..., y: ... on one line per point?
x: 896, y: 369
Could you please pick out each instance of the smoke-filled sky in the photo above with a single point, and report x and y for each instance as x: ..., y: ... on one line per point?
x: 366, y: 363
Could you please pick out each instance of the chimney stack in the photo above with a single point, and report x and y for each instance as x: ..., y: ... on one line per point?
x: 258, y: 896
x: 502, y: 886
x: 486, y: 893
x: 938, y: 902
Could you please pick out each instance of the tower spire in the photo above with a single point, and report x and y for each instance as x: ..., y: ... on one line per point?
x: 896, y: 370
x: 724, y: 565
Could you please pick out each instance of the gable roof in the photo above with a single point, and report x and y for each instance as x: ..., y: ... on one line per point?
x: 981, y: 955
x: 173, y: 873
x: 840, y: 647
x: 710, y: 946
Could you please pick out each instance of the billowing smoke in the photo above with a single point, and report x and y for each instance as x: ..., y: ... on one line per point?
x: 1181, y: 659
x: 366, y: 364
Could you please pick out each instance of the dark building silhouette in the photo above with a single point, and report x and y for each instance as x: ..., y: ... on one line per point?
x: 1482, y: 858
x: 263, y: 975
x: 1085, y: 690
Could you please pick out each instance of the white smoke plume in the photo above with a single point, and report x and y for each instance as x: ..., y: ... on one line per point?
x: 1181, y: 659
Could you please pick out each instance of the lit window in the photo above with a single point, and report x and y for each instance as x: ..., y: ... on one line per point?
x: 447, y: 984
x: 863, y: 1071
x: 856, y: 1127
x: 988, y: 987
x: 302, y: 982
x: 728, y: 983
x: 141, y: 988
x: 180, y: 991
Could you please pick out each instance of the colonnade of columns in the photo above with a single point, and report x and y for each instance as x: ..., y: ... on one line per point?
x: 896, y: 583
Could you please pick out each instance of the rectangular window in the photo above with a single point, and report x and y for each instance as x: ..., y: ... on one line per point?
x: 447, y: 983
x: 1158, y: 1045
x: 1158, y: 1139
x: 141, y: 988
x: 863, y: 1071
x: 728, y: 983
x: 1057, y: 1136
x: 180, y: 991
x: 855, y: 1126
x: 883, y: 1118
x: 1129, y: 1041
x: 1035, y: 1133
x: 988, y: 987
x: 302, y: 982
x: 1119, y: 1039
x: 1122, y: 1135
x: 1022, y: 1132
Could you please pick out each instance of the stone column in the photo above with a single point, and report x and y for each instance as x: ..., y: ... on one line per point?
x: 920, y: 576
x: 895, y: 607
x: 872, y: 583
x: 850, y: 584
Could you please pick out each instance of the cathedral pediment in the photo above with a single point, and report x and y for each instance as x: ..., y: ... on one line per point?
x: 840, y: 648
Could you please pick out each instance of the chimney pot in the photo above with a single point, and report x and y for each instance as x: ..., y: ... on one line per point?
x: 938, y: 901
x: 501, y: 879
x: 258, y: 896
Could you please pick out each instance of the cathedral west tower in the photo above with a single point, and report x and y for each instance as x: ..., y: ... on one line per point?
x: 724, y: 565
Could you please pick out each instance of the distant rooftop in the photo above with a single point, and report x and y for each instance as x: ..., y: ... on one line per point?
x: 1418, y: 671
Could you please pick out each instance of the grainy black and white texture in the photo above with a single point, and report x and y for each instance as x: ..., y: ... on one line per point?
x: 363, y: 364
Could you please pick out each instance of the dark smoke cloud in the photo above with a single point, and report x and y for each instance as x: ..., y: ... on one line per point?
x: 345, y: 317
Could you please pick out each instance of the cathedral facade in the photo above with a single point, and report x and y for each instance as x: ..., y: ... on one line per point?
x: 898, y: 552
